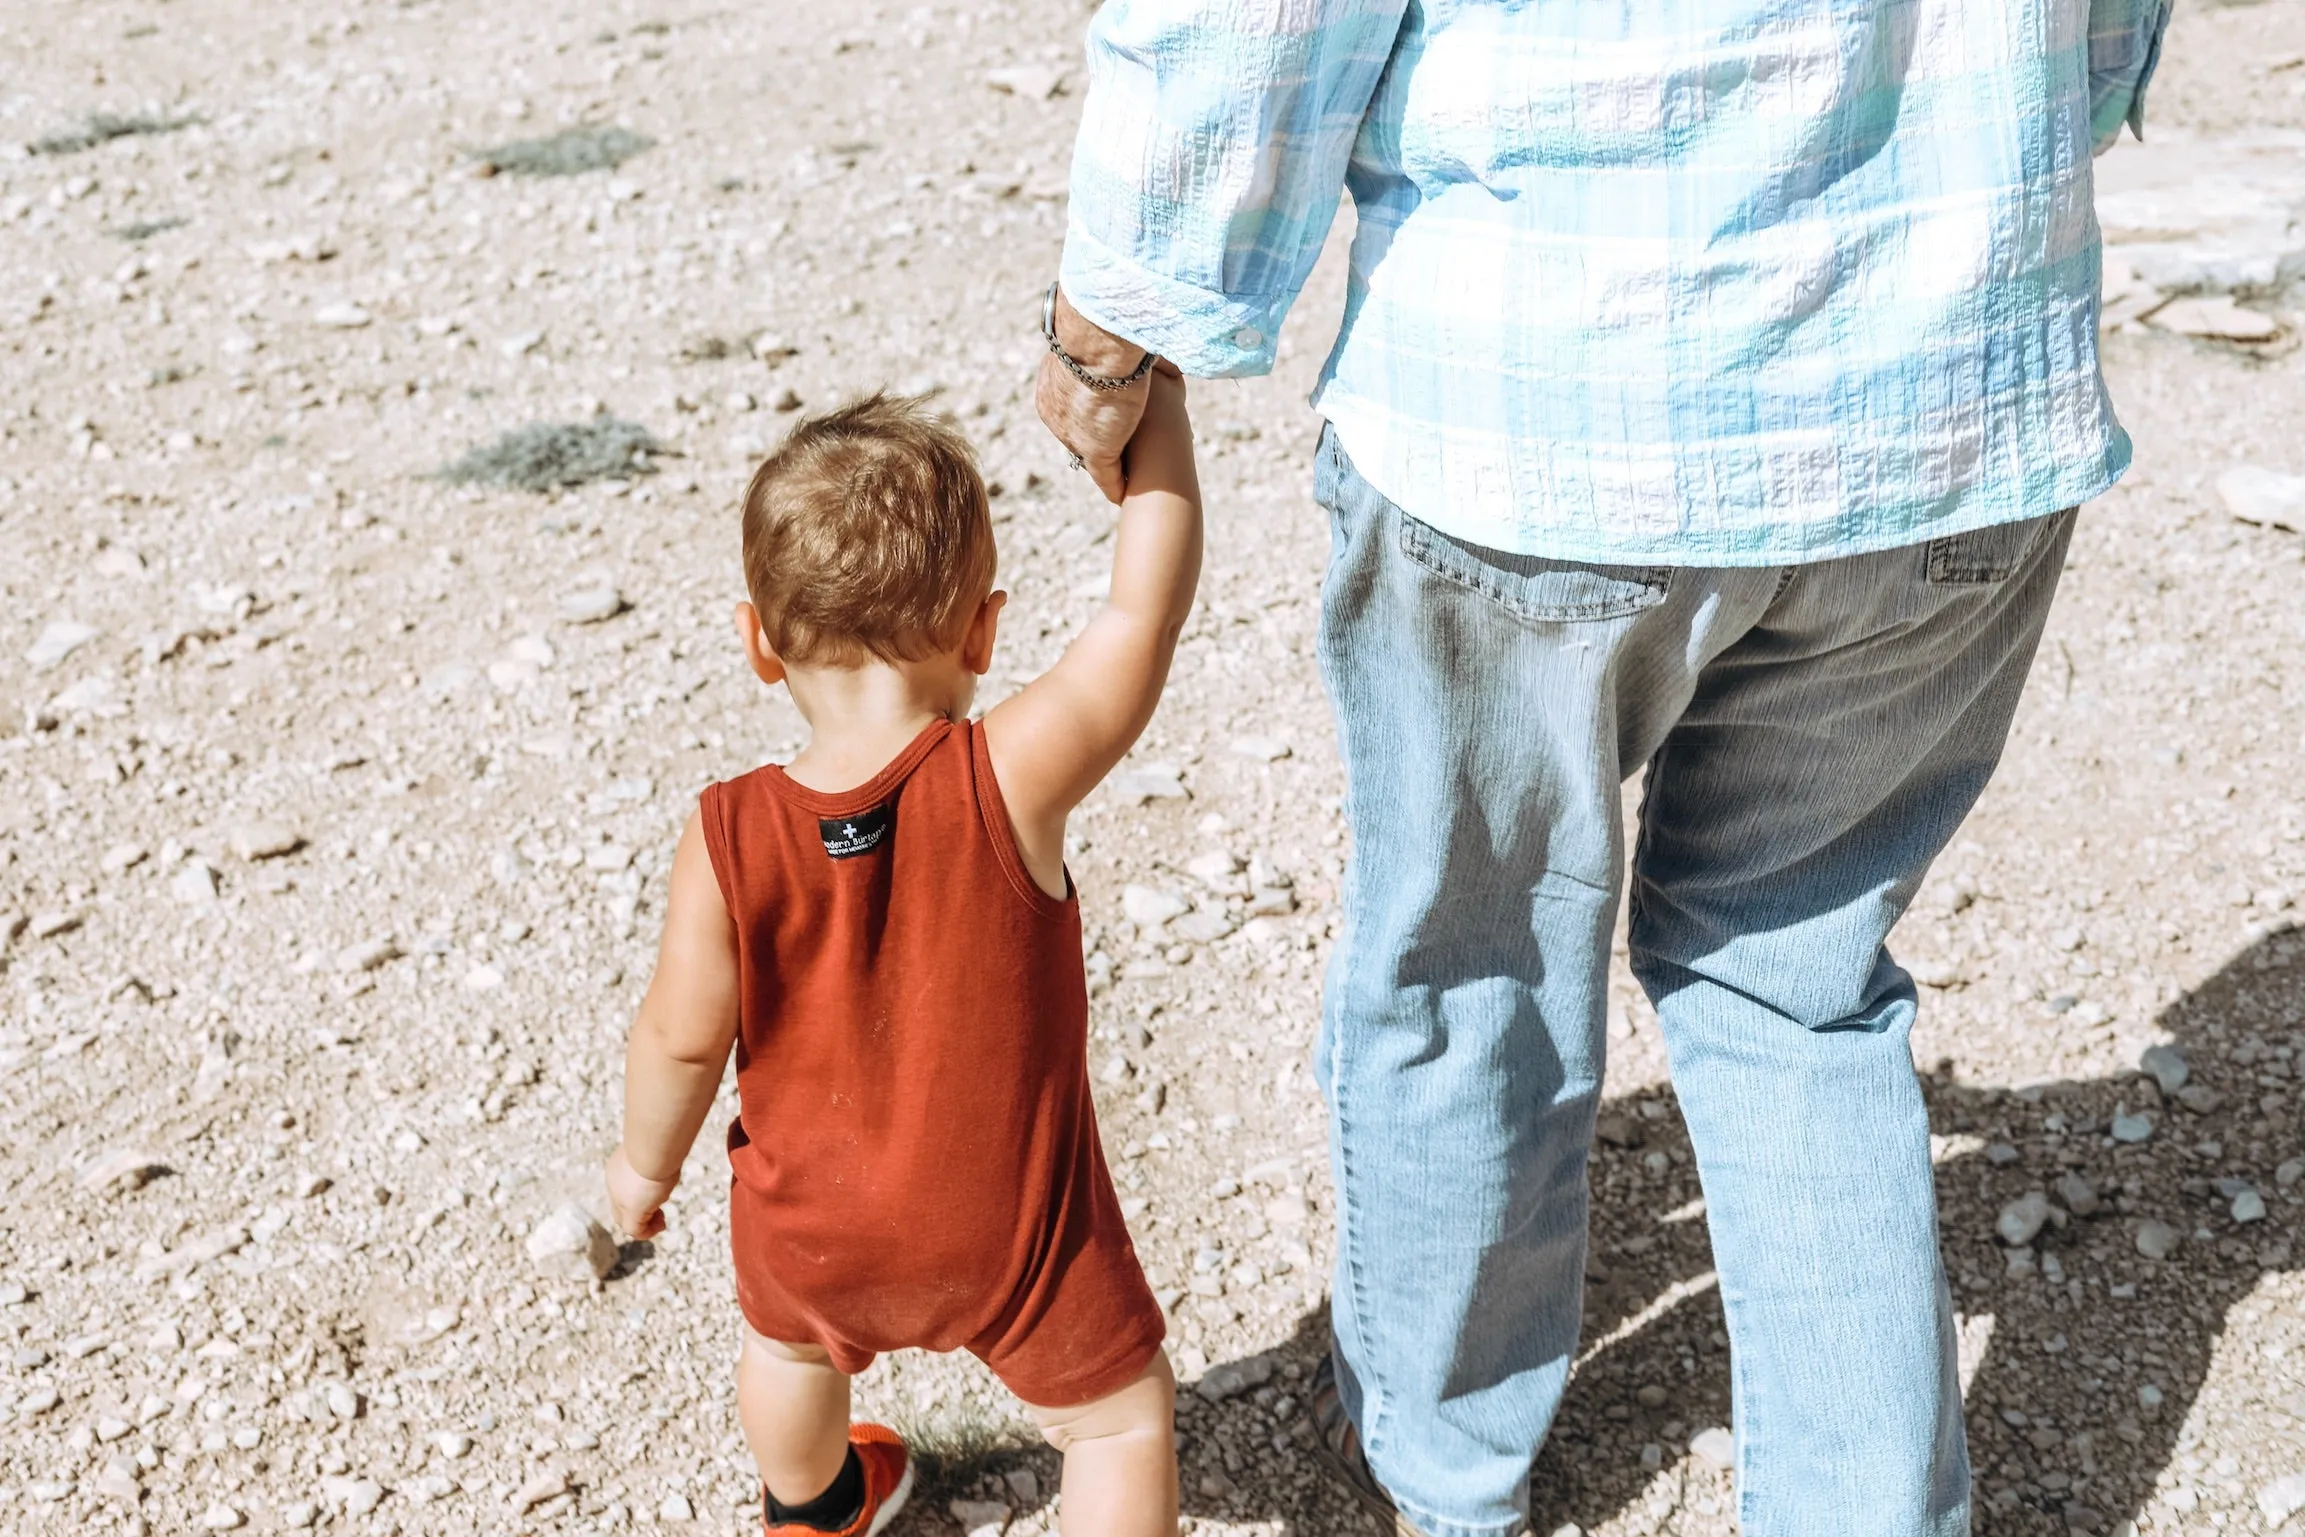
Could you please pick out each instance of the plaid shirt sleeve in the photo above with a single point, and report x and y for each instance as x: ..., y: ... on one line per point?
x: 2124, y: 46
x: 1210, y: 162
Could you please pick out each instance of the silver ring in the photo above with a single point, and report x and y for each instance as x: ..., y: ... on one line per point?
x: 1075, y: 458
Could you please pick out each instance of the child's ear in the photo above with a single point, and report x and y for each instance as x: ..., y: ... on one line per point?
x: 766, y: 664
x: 983, y: 630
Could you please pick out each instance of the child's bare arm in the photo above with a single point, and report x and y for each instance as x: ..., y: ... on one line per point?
x: 680, y: 1042
x: 1056, y: 738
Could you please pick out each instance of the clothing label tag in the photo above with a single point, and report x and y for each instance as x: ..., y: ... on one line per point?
x: 847, y: 837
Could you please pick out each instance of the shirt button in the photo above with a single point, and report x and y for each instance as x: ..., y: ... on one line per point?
x: 1248, y: 336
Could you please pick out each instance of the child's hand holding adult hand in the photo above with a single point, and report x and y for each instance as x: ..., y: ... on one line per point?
x: 636, y: 1200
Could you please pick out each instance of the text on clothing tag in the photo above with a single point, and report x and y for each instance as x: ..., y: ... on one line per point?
x: 847, y: 837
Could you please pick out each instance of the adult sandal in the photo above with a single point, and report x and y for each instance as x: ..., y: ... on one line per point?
x: 1338, y: 1446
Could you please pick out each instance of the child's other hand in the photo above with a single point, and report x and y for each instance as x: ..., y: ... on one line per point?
x: 636, y: 1200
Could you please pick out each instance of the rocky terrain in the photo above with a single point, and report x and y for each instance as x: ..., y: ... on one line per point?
x: 346, y: 738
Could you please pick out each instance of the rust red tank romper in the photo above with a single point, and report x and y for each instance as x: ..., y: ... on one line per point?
x: 916, y: 1159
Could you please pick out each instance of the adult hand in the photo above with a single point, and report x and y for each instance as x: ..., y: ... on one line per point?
x: 1095, y: 424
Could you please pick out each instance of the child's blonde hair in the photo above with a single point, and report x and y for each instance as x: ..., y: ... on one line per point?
x: 868, y: 534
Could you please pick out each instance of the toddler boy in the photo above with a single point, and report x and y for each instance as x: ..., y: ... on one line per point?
x: 885, y: 932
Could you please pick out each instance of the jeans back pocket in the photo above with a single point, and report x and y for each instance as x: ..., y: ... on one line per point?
x: 1534, y: 588
x: 1982, y: 556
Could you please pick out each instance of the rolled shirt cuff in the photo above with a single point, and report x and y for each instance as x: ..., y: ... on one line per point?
x: 1208, y: 335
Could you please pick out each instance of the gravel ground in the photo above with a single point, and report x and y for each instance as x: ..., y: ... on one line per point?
x: 337, y: 794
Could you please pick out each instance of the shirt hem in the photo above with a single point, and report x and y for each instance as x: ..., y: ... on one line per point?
x: 1758, y: 544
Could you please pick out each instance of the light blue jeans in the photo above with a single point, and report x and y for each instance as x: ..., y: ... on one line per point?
x: 1813, y: 735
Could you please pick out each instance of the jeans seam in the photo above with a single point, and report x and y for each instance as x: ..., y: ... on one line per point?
x: 1348, y: 1224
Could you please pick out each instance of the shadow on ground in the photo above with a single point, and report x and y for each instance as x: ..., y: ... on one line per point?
x: 2062, y: 1435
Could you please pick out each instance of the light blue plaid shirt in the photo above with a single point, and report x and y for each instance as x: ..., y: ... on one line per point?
x: 1711, y: 282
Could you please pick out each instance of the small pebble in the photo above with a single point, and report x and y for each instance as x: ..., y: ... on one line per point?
x: 1714, y: 1445
x: 2248, y: 1206
x: 2130, y: 1128
x: 547, y: 1485
x: 2166, y: 1066
x: 2158, y: 1240
x: 265, y: 840
x: 569, y: 1245
x: 592, y: 603
x: 2022, y: 1218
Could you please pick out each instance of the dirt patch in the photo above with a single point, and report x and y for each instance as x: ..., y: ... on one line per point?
x: 103, y: 127
x: 546, y: 456
x: 572, y: 152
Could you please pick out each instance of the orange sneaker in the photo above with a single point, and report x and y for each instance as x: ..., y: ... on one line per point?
x: 887, y: 1466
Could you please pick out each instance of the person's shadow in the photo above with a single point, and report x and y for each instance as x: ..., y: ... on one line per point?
x: 2081, y: 1357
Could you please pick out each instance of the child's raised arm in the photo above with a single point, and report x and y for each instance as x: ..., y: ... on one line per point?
x: 1056, y: 738
x: 680, y: 1042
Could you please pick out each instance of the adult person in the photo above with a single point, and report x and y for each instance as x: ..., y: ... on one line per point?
x: 1715, y: 385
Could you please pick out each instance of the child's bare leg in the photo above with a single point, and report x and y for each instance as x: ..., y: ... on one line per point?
x: 793, y: 1403
x: 1120, y: 1458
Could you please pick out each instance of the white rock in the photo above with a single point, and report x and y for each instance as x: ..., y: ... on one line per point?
x: 354, y: 1496
x: 58, y: 640
x: 569, y: 1244
x: 97, y: 694
x: 124, y: 1168
x: 194, y: 1252
x: 1149, y: 782
x: 38, y: 1401
x: 547, y: 1485
x: 1203, y: 926
x: 366, y: 956
x: 194, y: 882
x: 2158, y: 1240
x: 342, y: 1401
x: 676, y: 1508
x: 2215, y: 319
x: 2207, y: 215
x: 123, y: 856
x: 1264, y: 749
x: 591, y: 603
x: 2166, y: 1066
x: 49, y: 925
x: 296, y: 1515
x: 980, y: 1518
x: 2022, y: 1218
x: 1030, y: 81
x: 222, y: 1518
x: 520, y: 343
x: 483, y: 979
x: 2282, y: 1498
x: 2079, y: 1196
x: 1714, y: 1445
x: 455, y: 1445
x: 1149, y: 908
x: 2248, y: 1206
x: 1230, y: 1379
x: 119, y: 1481
x: 265, y: 840
x: 1216, y: 868
x: 2264, y: 497
x: 1940, y: 974
x: 341, y: 317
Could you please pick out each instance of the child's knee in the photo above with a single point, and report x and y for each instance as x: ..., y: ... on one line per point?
x: 1142, y: 1411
